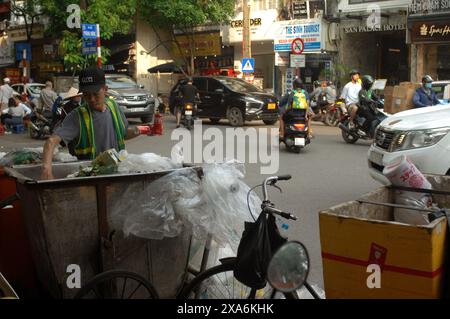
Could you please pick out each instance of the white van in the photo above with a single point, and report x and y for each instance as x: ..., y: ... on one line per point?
x: 421, y: 134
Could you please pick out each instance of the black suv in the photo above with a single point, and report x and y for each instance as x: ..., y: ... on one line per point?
x: 229, y: 98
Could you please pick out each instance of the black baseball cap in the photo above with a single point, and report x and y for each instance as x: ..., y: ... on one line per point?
x: 91, y: 79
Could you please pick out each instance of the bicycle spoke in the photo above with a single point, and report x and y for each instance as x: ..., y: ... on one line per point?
x: 224, y: 284
x: 134, y: 291
x: 123, y: 287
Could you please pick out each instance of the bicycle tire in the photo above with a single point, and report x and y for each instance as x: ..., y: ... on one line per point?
x: 107, y: 276
x: 226, y: 266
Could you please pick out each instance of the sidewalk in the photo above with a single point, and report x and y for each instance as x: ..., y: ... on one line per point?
x: 9, y: 142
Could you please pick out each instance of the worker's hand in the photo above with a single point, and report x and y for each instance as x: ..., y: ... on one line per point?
x: 47, y: 174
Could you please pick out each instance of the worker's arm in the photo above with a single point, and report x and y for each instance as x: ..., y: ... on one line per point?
x: 416, y: 100
x: 49, y: 147
x: 132, y: 132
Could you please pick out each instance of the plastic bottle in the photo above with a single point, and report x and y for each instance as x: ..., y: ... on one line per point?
x: 281, y: 223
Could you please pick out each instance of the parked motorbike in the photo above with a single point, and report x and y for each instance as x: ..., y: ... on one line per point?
x: 296, y: 133
x: 351, y: 135
x: 43, y: 123
x: 335, y: 113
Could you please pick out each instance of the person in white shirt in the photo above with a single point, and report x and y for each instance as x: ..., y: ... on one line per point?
x: 350, y: 94
x: 6, y: 92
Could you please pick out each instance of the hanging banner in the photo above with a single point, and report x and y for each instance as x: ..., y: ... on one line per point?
x: 205, y: 44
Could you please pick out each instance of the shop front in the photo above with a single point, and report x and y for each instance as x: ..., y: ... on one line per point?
x: 376, y: 47
x: 429, y: 29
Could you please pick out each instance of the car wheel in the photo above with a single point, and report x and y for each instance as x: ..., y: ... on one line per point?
x: 270, y: 122
x: 147, y: 119
x: 214, y: 121
x: 235, y: 117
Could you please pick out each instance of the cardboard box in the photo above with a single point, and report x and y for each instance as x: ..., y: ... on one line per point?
x: 410, y: 85
x: 388, y: 94
x: 355, y: 235
x: 402, y: 98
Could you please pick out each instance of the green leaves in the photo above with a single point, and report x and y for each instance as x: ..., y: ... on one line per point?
x: 113, y: 16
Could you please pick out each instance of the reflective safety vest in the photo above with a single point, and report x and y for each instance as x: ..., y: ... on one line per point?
x: 299, y: 101
x: 85, y: 148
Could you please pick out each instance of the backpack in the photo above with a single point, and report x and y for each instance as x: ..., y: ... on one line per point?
x: 299, y: 101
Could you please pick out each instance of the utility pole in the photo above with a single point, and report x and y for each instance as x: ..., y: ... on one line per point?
x: 246, y: 42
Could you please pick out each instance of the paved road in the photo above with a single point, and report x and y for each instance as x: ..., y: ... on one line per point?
x: 326, y: 173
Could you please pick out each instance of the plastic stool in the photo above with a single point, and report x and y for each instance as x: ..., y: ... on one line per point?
x: 18, y: 128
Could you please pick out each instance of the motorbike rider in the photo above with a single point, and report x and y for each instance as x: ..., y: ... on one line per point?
x: 188, y: 95
x: 350, y: 94
x: 367, y: 101
x: 294, y: 102
x: 425, y: 96
x: 324, y: 94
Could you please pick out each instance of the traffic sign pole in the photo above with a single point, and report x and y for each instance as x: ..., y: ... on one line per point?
x: 99, y: 49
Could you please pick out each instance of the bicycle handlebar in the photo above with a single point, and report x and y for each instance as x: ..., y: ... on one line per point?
x: 275, y: 211
x: 272, y: 180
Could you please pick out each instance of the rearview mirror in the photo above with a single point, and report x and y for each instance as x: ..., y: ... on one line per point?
x: 141, y: 86
x: 289, y: 267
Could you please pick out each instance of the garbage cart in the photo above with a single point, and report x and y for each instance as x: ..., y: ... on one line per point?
x: 73, y: 239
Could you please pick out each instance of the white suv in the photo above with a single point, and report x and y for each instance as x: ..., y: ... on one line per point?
x: 421, y: 134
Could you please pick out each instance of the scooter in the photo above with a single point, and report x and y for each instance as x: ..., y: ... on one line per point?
x: 43, y: 124
x: 335, y: 113
x: 352, y: 135
x: 188, y: 114
x: 296, y: 134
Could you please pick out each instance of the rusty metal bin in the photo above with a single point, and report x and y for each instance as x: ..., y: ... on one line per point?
x: 68, y: 222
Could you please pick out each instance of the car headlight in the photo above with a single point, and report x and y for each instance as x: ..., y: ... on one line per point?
x: 116, y: 97
x: 251, y: 103
x: 417, y: 139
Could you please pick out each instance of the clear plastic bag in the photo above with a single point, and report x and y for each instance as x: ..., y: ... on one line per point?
x: 22, y: 157
x: 162, y: 208
x: 410, y: 216
x: 145, y: 163
x: 226, y: 193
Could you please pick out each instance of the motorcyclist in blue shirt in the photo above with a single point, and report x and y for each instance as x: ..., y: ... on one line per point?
x: 425, y: 96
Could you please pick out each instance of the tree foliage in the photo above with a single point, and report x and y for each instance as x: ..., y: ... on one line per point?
x: 184, y: 15
x: 113, y: 16
x: 29, y: 11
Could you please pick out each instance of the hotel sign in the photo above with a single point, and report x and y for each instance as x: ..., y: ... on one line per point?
x: 376, y: 28
x: 428, y: 6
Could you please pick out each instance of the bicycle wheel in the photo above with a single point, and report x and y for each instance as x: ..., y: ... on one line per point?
x: 219, y: 283
x: 117, y: 284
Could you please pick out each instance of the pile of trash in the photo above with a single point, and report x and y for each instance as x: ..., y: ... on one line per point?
x: 214, y: 204
x: 28, y: 155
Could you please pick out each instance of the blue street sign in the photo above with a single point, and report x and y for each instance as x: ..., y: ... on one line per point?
x: 89, y: 46
x: 248, y: 65
x: 19, y: 51
x: 89, y: 31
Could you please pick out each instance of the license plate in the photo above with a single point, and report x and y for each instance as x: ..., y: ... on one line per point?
x: 376, y: 158
x: 272, y: 106
x: 137, y: 109
x: 188, y: 113
x: 299, y: 141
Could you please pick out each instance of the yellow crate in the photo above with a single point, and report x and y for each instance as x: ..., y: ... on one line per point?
x: 411, y: 258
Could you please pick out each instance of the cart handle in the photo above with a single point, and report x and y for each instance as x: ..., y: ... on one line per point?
x: 419, y: 190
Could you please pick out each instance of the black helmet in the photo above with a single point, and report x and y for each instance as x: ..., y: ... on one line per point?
x: 367, y: 82
x: 354, y: 71
x: 189, y: 79
x: 427, y: 79
x: 297, y: 84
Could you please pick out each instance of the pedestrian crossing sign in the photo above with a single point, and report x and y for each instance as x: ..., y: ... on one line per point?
x: 248, y: 65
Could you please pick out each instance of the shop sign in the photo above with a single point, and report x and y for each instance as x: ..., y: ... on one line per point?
x: 261, y: 23
x: 287, y: 31
x: 281, y: 58
x: 51, y: 66
x: 298, y: 61
x: 20, y: 34
x: 205, y: 44
x: 299, y: 9
x: 430, y: 32
x: 375, y: 28
x: 428, y: 6
x: 13, y: 74
x: 289, y: 79
x: 6, y: 51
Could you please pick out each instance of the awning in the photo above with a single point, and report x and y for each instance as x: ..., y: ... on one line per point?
x: 166, y: 68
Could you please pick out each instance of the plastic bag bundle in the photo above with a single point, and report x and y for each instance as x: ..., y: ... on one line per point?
x: 145, y: 163
x: 402, y: 172
x: 20, y: 158
x: 162, y: 208
x: 226, y: 194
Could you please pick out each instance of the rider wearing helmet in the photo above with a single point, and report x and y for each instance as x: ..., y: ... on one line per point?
x: 367, y: 99
x: 350, y: 94
x: 296, y: 101
x: 425, y: 96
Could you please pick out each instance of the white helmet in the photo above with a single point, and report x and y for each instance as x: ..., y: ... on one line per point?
x: 6, y: 80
